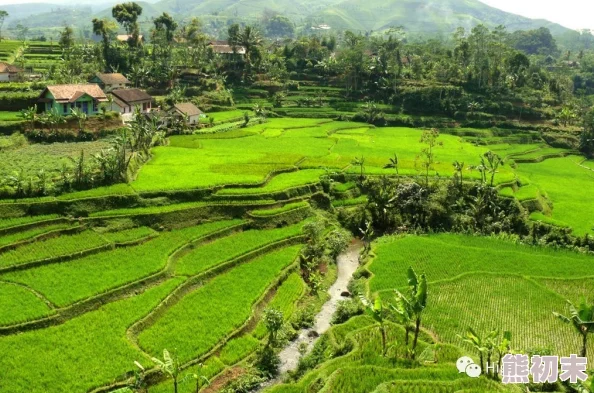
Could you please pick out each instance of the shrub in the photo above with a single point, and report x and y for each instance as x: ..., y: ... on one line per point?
x: 303, y: 318
x: 347, y: 309
x: 268, y: 361
x: 245, y: 383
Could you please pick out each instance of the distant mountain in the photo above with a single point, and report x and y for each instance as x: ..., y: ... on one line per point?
x: 426, y: 16
x: 416, y: 16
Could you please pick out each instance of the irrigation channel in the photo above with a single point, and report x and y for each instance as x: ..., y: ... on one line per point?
x: 347, y: 263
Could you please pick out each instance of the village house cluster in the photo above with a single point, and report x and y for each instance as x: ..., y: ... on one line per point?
x: 114, y: 92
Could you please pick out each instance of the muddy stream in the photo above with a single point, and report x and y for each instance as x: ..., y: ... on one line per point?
x: 347, y: 262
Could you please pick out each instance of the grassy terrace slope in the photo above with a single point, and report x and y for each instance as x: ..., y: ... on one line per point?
x: 66, y: 283
x: 198, y: 161
x: 97, y: 340
x: 364, y: 370
x: 486, y: 283
x: 207, y: 315
x: 569, y: 186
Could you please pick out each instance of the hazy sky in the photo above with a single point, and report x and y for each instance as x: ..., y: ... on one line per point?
x: 575, y: 14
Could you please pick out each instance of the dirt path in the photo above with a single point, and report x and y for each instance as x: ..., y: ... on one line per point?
x: 347, y: 263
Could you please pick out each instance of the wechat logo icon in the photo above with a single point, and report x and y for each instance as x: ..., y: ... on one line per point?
x: 467, y: 365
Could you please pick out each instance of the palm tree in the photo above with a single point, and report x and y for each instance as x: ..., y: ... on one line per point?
x: 582, y: 319
x: 493, y: 162
x: 273, y: 319
x: 376, y: 311
x: 503, y: 348
x: 393, y: 164
x: 459, y: 168
x: 169, y: 365
x: 80, y: 173
x: 250, y: 39
x: 54, y: 118
x: 360, y: 162
x: 567, y: 115
x: 366, y: 235
x: 473, y: 107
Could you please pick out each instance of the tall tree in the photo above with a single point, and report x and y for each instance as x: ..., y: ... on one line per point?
x: 104, y: 28
x: 250, y: 39
x: 587, y: 135
x: 127, y: 15
x: 66, y: 38
x: 3, y: 16
x: 167, y: 24
x: 430, y: 139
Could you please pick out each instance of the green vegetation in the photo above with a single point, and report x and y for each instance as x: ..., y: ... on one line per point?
x: 284, y: 300
x: 198, y: 163
x: 68, y: 282
x: 32, y: 233
x: 279, y: 182
x: 80, y: 340
x: 238, y: 349
x: 129, y: 235
x: 19, y: 304
x: 498, y: 274
x: 286, y: 208
x: 52, y: 248
x: 230, y: 247
x: 453, y: 160
x: 14, y: 222
x: 568, y: 186
x: 199, y: 319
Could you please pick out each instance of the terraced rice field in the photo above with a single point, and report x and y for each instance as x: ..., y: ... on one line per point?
x: 364, y: 369
x: 487, y: 284
x: 75, y: 294
x: 568, y: 186
x: 283, y: 144
x: 187, y: 256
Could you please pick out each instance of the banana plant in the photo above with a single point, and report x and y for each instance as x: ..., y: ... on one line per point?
x: 582, y: 319
x: 404, y: 313
x: 80, y: 117
x: 477, y: 343
x: 418, y: 290
x: 376, y: 311
x: 503, y: 348
x: 29, y: 115
x: 199, y: 377
x: 170, y: 366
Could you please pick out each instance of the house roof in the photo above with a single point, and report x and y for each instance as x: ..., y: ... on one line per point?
x: 9, y: 68
x: 223, y: 47
x: 71, y: 93
x: 126, y: 37
x: 131, y: 96
x: 187, y: 108
x: 112, y: 79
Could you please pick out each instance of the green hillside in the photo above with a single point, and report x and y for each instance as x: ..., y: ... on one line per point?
x: 416, y: 16
x: 425, y: 16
